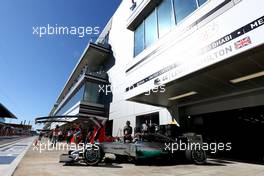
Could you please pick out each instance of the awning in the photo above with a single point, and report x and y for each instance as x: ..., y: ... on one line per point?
x: 240, y: 78
x: 5, y: 113
x: 65, y: 118
x: 139, y: 14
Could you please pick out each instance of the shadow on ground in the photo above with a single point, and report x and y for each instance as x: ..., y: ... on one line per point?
x: 115, y: 163
x: 112, y: 163
x: 103, y: 164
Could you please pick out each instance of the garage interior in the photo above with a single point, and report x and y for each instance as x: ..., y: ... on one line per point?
x: 243, y: 128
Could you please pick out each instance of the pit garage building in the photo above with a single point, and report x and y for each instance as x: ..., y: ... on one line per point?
x: 197, y: 64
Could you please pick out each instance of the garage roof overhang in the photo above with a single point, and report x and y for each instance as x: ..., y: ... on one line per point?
x: 63, y: 119
x: 141, y: 12
x: 5, y: 113
x: 213, y: 82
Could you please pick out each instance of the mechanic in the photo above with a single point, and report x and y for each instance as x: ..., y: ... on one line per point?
x: 127, y: 132
x: 89, y: 135
x: 77, y: 136
x: 55, y: 135
x: 69, y: 135
x: 137, y: 134
x: 145, y: 127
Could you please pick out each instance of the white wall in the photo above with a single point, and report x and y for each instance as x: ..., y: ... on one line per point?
x: 121, y: 41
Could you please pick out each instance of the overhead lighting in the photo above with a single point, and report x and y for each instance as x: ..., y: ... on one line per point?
x: 183, y: 95
x: 248, y: 77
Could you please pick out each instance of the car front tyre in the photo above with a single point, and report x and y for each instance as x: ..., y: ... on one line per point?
x: 93, y: 156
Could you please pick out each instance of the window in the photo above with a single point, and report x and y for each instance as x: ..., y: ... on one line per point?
x: 91, y: 93
x: 151, y: 32
x: 201, y: 2
x: 105, y: 40
x: 139, y: 39
x: 78, y: 96
x: 165, y: 20
x: 161, y: 20
x: 183, y: 8
x: 88, y: 92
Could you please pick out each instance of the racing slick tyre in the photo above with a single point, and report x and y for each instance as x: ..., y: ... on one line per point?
x: 93, y: 155
x: 198, y: 156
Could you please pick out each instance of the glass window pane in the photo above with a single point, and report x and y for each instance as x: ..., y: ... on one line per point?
x: 201, y: 2
x: 91, y: 93
x: 78, y: 96
x: 151, y: 33
x: 164, y: 17
x: 139, y: 39
x: 183, y: 8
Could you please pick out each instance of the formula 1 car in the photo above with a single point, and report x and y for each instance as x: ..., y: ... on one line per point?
x: 146, y: 146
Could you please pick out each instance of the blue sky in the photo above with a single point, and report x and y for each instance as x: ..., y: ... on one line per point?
x: 33, y: 70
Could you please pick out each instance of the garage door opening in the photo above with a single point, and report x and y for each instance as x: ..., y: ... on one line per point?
x: 150, y: 119
x: 244, y: 128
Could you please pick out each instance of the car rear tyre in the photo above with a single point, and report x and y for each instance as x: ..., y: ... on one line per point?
x: 199, y: 156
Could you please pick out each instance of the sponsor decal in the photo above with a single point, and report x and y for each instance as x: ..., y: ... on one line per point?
x: 134, y: 4
x: 243, y: 42
x: 210, y: 31
x: 221, y: 52
x: 217, y: 43
x: 157, y: 82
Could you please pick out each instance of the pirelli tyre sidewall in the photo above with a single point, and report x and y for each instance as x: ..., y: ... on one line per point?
x: 198, y: 156
x: 93, y: 156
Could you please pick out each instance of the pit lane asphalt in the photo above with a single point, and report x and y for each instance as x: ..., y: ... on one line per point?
x: 47, y: 164
x: 6, y: 140
x: 12, y: 151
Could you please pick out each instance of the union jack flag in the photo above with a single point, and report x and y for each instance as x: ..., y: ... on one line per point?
x: 243, y: 42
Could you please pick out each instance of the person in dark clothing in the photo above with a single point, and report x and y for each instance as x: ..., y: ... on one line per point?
x: 89, y: 134
x: 137, y: 134
x: 55, y: 135
x: 127, y: 132
x: 69, y: 136
x: 40, y: 136
x: 50, y: 136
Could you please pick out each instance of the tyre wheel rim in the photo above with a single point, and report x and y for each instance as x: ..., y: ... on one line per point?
x: 92, y: 155
x: 198, y: 155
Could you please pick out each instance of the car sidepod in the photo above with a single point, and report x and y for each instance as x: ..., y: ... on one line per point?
x: 145, y: 150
